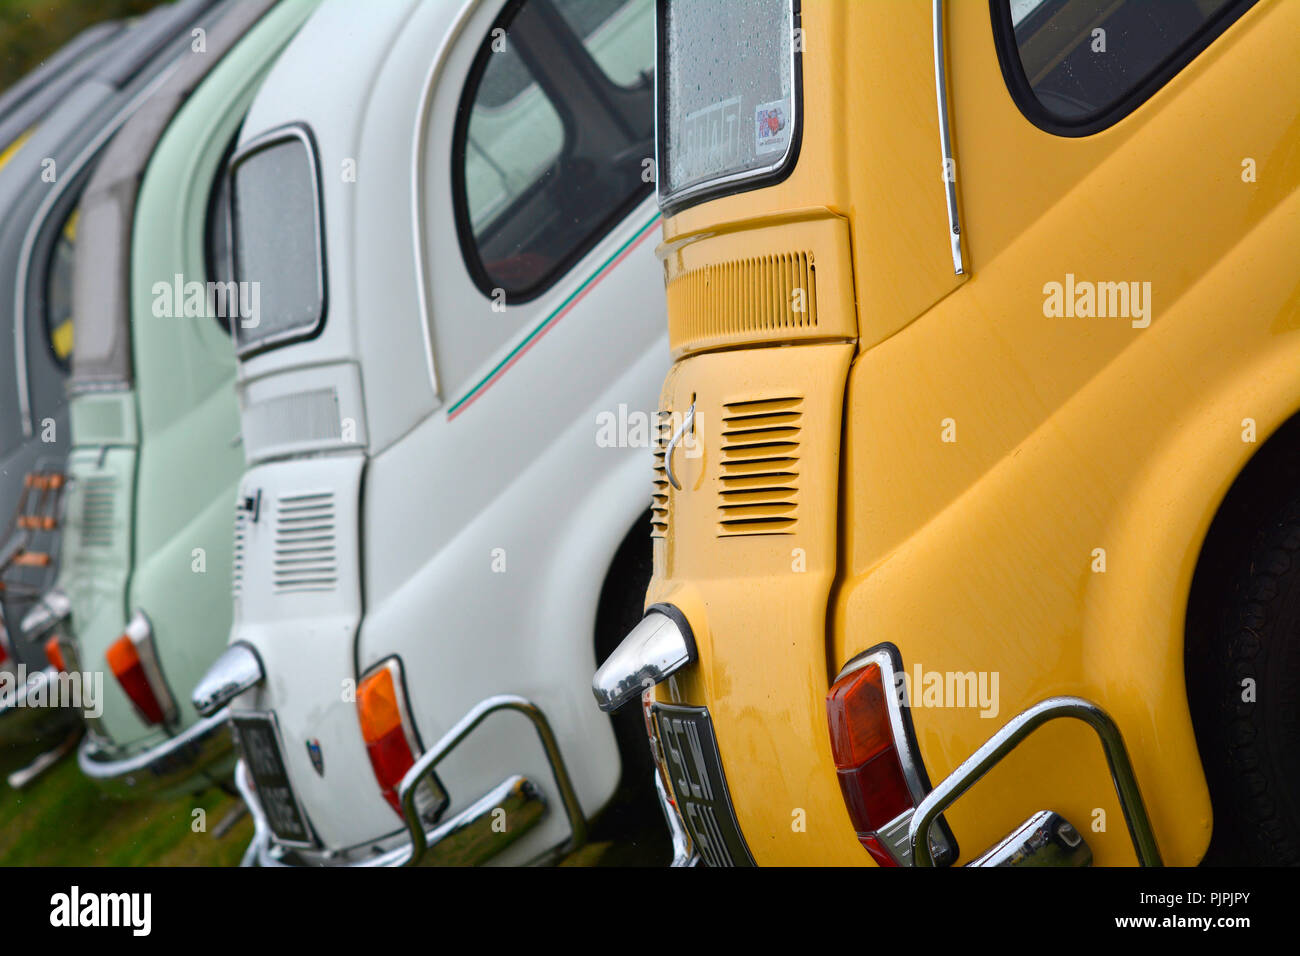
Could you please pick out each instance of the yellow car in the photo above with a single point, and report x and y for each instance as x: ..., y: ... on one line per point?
x: 976, y: 515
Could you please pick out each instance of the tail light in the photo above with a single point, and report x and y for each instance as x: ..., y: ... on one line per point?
x: 134, y: 662
x: 4, y: 638
x: 391, y: 741
x: 880, y: 773
x: 54, y: 654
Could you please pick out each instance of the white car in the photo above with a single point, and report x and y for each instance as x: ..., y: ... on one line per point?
x: 448, y: 210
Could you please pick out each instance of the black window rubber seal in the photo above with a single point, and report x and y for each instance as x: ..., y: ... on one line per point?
x: 1004, y: 39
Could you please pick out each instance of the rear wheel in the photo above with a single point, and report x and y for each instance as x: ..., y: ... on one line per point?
x: 1245, y: 697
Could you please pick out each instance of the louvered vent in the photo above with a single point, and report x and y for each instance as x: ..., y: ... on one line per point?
x: 305, y: 557
x: 759, y: 467
x: 725, y: 300
x: 237, y: 556
x: 98, y: 510
x: 659, y: 500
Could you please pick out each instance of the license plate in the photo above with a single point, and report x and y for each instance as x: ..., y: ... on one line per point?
x: 259, y: 742
x: 699, y: 786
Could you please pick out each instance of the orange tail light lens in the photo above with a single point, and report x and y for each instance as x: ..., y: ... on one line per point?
x: 389, y: 734
x: 54, y: 654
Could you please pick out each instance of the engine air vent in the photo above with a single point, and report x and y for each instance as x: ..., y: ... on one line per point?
x: 98, y: 511
x: 759, y: 491
x: 237, y: 555
x: 733, y: 301
x: 305, y: 550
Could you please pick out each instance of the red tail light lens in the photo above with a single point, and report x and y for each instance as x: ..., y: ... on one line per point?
x: 879, y: 776
x: 134, y: 663
x: 391, y: 742
x: 54, y: 654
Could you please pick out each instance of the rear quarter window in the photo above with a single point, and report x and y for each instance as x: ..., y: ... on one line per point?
x: 553, y: 133
x: 277, y: 240
x: 1076, y: 67
x: 729, y: 96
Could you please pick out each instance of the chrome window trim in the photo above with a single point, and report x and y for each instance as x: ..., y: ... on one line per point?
x: 671, y: 202
x: 945, y: 140
x: 424, y: 279
x: 280, y: 134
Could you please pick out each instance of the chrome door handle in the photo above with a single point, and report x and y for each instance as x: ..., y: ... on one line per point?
x: 687, y: 422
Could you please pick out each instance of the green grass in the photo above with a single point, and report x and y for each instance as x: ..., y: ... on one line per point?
x: 62, y: 819
x: 30, y: 30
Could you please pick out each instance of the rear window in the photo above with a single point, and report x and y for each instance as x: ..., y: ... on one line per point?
x: 277, y: 240
x: 1077, y: 66
x: 728, y: 95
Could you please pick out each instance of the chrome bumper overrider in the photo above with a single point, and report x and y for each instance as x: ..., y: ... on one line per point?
x: 1008, y: 737
x: 168, y: 765
x: 471, y: 837
x: 435, y: 755
x: 475, y: 835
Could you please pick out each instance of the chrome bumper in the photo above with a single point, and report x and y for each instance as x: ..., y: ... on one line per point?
x: 168, y: 766
x: 474, y: 836
x: 684, y: 852
x: 1044, y: 839
x: 22, y: 723
x: 470, y: 838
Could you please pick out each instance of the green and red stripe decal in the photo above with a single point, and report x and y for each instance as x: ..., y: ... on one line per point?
x: 552, y: 320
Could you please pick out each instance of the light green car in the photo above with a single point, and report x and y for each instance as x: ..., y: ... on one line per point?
x: 156, y: 456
